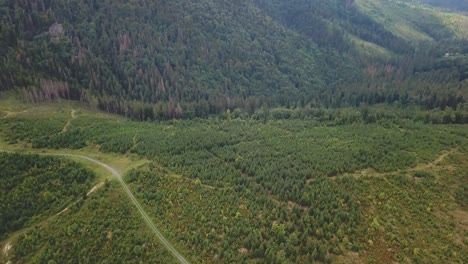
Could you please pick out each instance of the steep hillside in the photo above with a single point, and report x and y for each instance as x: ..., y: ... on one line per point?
x: 180, y: 59
x: 398, y: 26
x: 161, y: 51
x: 407, y: 50
x: 330, y: 22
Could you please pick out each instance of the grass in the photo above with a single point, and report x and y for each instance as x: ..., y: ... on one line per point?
x: 10, y: 103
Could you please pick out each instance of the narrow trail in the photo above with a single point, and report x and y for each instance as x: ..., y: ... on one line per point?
x: 420, y: 166
x: 439, y: 159
x: 9, y: 245
x: 6, y: 249
x: 10, y: 113
x: 73, y: 116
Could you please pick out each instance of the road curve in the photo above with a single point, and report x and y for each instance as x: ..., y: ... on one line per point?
x: 134, y: 200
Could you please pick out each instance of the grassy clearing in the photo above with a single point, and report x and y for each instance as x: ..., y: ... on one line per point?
x: 123, y: 163
x: 11, y: 104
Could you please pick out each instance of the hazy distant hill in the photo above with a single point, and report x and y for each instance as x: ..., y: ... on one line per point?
x: 455, y: 4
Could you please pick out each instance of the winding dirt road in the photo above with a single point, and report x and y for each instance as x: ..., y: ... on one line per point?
x: 145, y: 216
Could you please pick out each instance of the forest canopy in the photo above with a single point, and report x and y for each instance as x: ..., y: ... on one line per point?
x: 179, y: 59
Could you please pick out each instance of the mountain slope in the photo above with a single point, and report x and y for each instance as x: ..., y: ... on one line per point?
x: 165, y: 59
x: 395, y: 25
x: 408, y: 50
x: 162, y: 50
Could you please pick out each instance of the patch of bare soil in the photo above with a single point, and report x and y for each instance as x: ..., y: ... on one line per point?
x: 461, y: 218
x: 6, y: 249
x: 461, y: 221
x: 97, y: 186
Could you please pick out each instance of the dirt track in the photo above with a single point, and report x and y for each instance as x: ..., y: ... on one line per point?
x: 6, y: 249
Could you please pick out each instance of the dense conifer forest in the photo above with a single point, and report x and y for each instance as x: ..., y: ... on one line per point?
x: 155, y: 60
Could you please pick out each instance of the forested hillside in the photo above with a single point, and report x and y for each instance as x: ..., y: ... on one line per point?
x: 406, y: 51
x: 180, y: 59
x: 169, y: 52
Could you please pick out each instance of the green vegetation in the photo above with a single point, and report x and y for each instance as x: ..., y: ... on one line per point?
x: 462, y: 194
x: 33, y: 186
x: 286, y: 131
x: 243, y: 222
x: 380, y: 181
x: 179, y: 57
x: 407, y: 21
x: 105, y: 228
x: 416, y: 218
x: 160, y: 60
